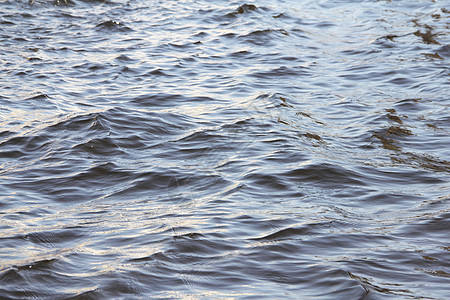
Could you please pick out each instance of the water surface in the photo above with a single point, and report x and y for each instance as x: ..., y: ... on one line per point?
x: 224, y: 149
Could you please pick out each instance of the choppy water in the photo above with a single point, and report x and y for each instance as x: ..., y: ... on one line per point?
x: 224, y: 149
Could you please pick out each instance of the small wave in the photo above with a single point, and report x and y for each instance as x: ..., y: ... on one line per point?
x: 246, y: 8
x: 113, y: 26
x: 158, y: 72
x: 243, y: 9
x: 444, y: 51
x: 326, y: 175
x: 263, y: 37
x: 287, y: 233
x: 282, y: 71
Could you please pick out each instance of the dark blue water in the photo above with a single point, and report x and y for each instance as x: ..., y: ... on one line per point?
x: 224, y: 149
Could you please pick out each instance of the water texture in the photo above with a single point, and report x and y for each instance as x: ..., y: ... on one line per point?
x: 224, y: 149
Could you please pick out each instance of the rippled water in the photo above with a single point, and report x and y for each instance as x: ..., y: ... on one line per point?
x: 224, y: 149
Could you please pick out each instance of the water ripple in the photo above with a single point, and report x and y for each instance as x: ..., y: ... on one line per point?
x: 226, y: 149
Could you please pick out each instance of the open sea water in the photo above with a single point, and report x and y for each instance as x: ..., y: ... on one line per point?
x: 194, y: 149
